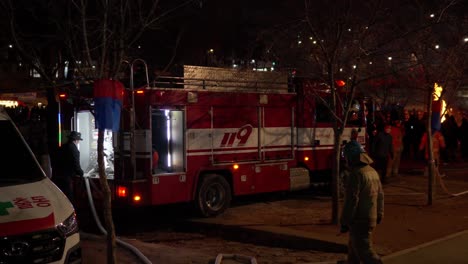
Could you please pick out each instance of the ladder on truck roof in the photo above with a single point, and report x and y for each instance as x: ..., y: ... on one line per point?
x: 225, y: 79
x: 132, y: 113
x: 170, y: 82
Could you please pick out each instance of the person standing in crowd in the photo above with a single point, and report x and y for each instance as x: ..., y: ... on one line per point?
x: 353, y: 143
x: 419, y: 130
x: 397, y: 132
x: 371, y: 132
x: 382, y: 150
x: 463, y: 138
x: 449, y: 131
x: 408, y: 136
x: 363, y: 206
x: 68, y: 165
x: 438, y: 142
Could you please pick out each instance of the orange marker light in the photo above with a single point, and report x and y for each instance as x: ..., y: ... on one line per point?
x: 137, y: 198
x: 122, y: 191
x: 140, y: 92
x: 306, y: 158
x: 235, y: 166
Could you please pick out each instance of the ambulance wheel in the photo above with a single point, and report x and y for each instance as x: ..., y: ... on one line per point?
x: 213, y: 195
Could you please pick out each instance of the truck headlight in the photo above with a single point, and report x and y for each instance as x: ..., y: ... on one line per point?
x: 69, y: 226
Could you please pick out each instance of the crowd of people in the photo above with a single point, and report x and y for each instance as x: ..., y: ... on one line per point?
x: 391, y: 138
x: 394, y: 136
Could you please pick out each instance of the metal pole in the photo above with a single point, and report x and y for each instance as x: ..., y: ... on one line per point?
x: 132, y: 125
x: 132, y: 116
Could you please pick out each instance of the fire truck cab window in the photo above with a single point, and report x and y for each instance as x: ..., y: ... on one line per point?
x: 322, y: 113
x: 355, y: 114
x: 167, y: 141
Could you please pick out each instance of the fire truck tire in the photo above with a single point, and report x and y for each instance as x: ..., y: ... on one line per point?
x: 213, y: 195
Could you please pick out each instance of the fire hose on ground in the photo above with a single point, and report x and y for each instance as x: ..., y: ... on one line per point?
x: 130, y: 247
x: 444, y: 188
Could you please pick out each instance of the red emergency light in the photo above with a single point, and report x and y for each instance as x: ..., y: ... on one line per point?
x: 122, y: 191
x: 340, y: 83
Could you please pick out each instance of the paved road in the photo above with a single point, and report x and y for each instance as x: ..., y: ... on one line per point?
x: 452, y: 249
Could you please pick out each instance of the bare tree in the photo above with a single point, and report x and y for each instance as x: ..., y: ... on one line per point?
x: 330, y: 41
x: 102, y: 34
x: 347, y: 43
x: 93, y: 38
x: 39, y: 48
x: 434, y: 37
x: 364, y: 44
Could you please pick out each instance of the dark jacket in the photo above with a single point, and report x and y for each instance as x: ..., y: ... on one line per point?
x: 69, y: 161
x: 67, y: 167
x: 382, y: 145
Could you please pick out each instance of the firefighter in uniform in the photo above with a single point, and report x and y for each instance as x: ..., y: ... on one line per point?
x: 363, y: 207
x: 69, y: 167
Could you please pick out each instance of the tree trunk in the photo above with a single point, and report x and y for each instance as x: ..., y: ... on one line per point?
x: 52, y: 111
x: 335, y: 177
x: 430, y: 161
x: 109, y: 224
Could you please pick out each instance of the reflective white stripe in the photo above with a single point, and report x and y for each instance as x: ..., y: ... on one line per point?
x: 200, y: 140
x: 279, y: 148
x: 246, y: 136
x: 314, y: 148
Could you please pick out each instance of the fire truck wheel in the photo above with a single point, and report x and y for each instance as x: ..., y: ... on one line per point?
x: 213, y: 196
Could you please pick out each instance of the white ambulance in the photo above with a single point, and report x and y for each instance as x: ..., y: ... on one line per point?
x: 37, y: 221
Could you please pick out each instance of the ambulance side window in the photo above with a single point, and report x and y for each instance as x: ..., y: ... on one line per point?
x: 17, y: 162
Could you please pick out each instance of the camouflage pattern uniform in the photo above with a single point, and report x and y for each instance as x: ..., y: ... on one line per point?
x: 363, y: 207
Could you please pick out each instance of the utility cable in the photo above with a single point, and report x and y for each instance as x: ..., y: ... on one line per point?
x: 444, y: 188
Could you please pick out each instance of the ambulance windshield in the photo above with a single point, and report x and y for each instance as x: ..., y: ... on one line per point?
x: 17, y: 163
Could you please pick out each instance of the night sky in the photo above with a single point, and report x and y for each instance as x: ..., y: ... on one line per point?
x: 230, y: 28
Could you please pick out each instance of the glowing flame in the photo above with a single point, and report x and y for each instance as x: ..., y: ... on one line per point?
x: 436, y: 96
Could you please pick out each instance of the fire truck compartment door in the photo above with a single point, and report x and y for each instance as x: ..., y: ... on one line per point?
x: 277, y: 133
x: 170, y: 188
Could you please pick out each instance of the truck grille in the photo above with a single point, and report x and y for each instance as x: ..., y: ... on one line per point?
x: 37, y: 248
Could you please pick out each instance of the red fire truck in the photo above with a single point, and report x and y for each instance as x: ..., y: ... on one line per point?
x: 192, y: 139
